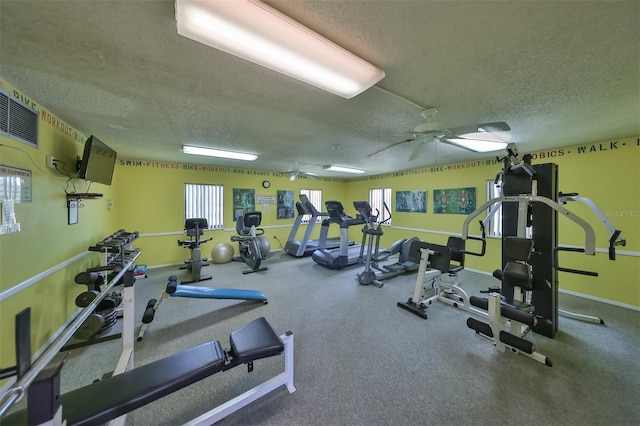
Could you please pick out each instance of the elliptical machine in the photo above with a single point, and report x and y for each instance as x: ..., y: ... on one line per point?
x: 371, y: 233
x: 194, y: 229
x: 248, y: 232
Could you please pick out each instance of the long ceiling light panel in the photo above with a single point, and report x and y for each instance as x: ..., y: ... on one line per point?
x: 259, y: 33
x: 197, y: 150
x: 342, y: 169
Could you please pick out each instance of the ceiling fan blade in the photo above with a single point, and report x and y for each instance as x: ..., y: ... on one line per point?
x: 480, y: 129
x: 416, y: 151
x: 391, y: 146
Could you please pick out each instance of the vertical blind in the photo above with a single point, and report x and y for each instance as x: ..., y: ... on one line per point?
x: 204, y: 201
x: 494, y: 228
x: 315, y: 197
x: 377, y: 198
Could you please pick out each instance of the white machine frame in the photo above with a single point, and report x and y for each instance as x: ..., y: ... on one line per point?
x: 283, y: 379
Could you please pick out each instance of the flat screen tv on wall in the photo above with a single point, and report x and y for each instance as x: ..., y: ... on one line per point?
x: 98, y: 162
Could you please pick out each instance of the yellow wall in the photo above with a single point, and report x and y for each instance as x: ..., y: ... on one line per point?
x: 148, y: 197
x: 153, y: 196
x: 45, y: 239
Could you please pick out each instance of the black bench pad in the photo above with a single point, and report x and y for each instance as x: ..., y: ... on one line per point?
x: 117, y: 395
x: 110, y: 398
x: 254, y: 341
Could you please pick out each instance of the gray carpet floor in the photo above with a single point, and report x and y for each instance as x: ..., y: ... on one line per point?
x: 361, y: 360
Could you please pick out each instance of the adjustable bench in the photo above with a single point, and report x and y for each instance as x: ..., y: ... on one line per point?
x: 117, y: 395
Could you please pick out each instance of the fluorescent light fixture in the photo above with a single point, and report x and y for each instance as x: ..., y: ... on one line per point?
x: 197, y: 150
x: 259, y: 33
x: 477, y: 145
x: 343, y: 169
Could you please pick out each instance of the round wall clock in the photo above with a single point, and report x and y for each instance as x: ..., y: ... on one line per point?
x: 266, y: 184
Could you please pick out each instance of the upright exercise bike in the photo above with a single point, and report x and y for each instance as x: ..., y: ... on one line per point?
x: 248, y: 232
x: 194, y: 229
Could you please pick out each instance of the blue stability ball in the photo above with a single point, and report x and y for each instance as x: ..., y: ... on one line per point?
x: 264, y: 244
x: 222, y: 253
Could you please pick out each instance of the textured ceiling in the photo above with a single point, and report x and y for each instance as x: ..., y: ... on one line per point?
x: 559, y: 72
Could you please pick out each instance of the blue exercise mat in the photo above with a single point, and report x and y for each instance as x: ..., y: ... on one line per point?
x: 218, y: 293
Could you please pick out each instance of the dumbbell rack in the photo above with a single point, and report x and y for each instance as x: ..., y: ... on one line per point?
x: 117, y: 255
x: 125, y: 273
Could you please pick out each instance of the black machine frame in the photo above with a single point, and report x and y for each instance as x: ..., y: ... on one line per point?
x: 194, y: 229
x: 528, y: 200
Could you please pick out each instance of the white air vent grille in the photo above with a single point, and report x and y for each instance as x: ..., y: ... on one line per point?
x: 17, y: 120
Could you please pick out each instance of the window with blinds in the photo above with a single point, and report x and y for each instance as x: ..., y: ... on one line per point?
x: 493, y: 222
x: 494, y: 225
x: 315, y: 198
x: 204, y: 201
x: 377, y: 198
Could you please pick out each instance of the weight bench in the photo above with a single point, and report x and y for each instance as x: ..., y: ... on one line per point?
x: 174, y: 289
x: 117, y: 395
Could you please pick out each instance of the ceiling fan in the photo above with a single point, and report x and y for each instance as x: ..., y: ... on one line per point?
x: 483, y: 137
x: 295, y: 173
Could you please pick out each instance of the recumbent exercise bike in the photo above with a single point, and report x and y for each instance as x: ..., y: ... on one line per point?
x: 248, y: 232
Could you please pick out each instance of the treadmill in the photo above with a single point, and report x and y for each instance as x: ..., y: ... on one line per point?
x: 345, y: 255
x: 307, y: 246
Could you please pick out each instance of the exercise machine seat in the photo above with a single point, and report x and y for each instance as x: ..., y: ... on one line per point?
x: 456, y: 245
x: 190, y: 225
x: 254, y: 341
x: 516, y: 271
x: 246, y: 221
x: 517, y: 275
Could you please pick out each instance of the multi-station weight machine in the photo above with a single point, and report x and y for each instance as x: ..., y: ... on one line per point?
x: 528, y: 296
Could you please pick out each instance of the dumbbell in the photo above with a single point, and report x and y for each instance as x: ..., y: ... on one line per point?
x: 90, y: 327
x: 84, y: 299
x: 111, y: 301
x: 89, y: 278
